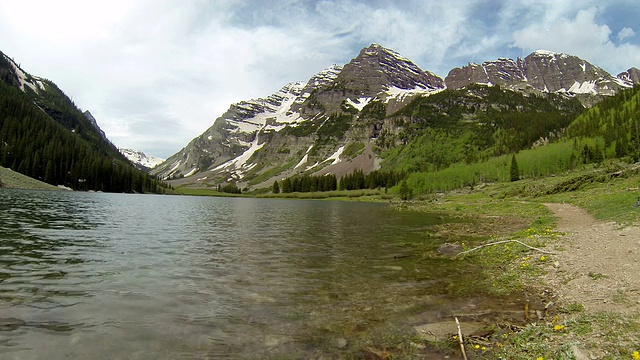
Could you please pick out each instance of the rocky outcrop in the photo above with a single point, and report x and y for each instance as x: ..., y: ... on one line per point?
x: 94, y: 123
x: 541, y: 71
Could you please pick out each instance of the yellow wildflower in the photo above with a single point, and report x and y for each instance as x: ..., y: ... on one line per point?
x: 636, y: 355
x: 558, y: 327
x: 477, y: 346
x: 542, y: 258
x: 539, y: 358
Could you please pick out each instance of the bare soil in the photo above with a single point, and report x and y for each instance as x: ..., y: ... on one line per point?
x: 598, y: 263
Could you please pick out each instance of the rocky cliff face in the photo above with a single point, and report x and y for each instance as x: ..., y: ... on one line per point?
x: 541, y: 71
x: 500, y: 72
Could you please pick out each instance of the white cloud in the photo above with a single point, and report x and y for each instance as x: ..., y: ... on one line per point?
x: 157, y: 73
x: 582, y: 36
x: 626, y: 33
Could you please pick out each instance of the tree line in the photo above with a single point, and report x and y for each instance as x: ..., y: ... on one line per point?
x: 307, y: 183
x: 356, y: 180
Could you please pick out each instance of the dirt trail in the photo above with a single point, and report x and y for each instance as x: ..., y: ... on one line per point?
x: 598, y: 264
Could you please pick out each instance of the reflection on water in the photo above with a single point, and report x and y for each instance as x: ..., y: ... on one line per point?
x: 87, y: 275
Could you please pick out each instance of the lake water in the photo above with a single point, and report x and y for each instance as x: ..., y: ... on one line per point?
x: 115, y: 276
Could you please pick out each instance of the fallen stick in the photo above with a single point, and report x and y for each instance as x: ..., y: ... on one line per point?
x: 502, y: 242
x: 464, y: 353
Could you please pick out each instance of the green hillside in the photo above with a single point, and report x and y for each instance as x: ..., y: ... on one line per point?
x: 471, y: 125
x: 609, y: 130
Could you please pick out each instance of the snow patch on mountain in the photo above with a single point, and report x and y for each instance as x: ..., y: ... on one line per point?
x: 325, y: 76
x: 273, y: 111
x: 142, y: 159
x: 335, y: 158
x: 304, y: 158
x: 239, y: 165
x: 401, y: 94
x: 587, y: 87
x: 359, y: 103
x: 33, y: 82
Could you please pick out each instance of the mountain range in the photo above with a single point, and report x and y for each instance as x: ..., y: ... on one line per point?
x: 377, y: 110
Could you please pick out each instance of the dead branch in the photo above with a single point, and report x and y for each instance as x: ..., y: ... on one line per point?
x: 464, y: 353
x: 503, y: 242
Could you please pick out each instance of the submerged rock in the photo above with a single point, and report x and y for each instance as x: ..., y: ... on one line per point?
x: 449, y: 249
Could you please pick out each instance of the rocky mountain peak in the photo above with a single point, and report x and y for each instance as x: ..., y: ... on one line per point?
x: 631, y: 76
x: 377, y: 69
x: 140, y: 159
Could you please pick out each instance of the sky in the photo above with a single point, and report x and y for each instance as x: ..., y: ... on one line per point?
x: 156, y: 74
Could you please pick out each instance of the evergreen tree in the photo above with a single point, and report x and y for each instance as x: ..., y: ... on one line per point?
x: 515, y: 170
x: 287, y: 186
x: 598, y: 155
x: 405, y: 192
x: 276, y: 187
x: 634, y: 143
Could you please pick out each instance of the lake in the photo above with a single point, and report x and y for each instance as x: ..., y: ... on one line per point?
x: 122, y: 276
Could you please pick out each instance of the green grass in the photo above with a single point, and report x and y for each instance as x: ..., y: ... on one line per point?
x: 268, y: 174
x: 353, y: 149
x: 606, y: 198
x: 362, y: 195
x: 203, y: 192
x: 372, y: 195
x: 534, y: 164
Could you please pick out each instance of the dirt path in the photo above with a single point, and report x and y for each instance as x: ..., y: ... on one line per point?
x: 598, y: 264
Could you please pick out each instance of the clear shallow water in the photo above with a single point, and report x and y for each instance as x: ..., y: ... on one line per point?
x: 108, y: 276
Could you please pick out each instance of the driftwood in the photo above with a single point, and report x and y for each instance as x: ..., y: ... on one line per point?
x: 503, y: 242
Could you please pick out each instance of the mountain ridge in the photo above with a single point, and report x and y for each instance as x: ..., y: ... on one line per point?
x: 543, y: 71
